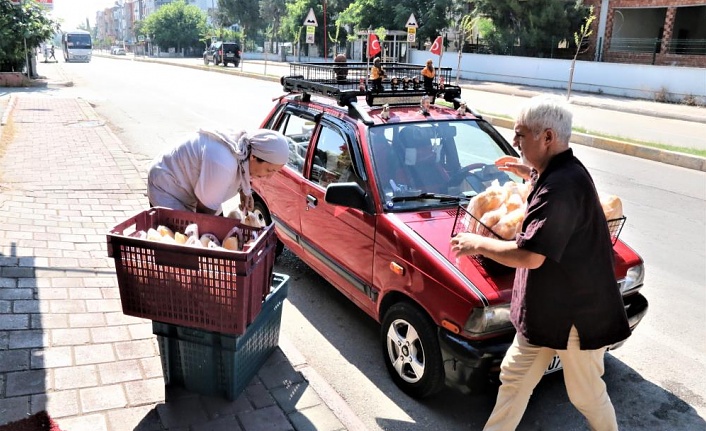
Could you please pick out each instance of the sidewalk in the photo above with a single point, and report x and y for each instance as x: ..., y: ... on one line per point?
x: 65, y: 345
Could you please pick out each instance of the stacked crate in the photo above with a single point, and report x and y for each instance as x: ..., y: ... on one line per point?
x: 216, y: 313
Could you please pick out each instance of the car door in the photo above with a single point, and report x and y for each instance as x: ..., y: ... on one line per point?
x: 283, y: 193
x: 339, y: 239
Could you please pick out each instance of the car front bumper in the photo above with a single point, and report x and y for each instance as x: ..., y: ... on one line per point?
x: 471, y: 365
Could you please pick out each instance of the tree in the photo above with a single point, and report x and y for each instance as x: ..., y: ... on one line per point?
x: 579, y: 39
x: 19, y: 23
x: 272, y: 11
x: 176, y: 25
x: 245, y: 13
x: 534, y: 29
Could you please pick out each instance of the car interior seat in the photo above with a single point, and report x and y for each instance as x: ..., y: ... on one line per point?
x: 420, y: 160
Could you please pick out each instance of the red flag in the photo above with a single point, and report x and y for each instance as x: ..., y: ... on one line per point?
x: 436, y: 46
x: 373, y: 45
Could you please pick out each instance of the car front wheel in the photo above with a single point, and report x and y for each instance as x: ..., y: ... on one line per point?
x: 263, y: 214
x: 205, y: 61
x: 411, y: 350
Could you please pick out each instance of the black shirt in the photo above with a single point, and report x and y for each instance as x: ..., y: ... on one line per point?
x: 576, y: 284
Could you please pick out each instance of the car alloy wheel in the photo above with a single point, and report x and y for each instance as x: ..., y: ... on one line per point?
x: 411, y: 350
x: 263, y: 214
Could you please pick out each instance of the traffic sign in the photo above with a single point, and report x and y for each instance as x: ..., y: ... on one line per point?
x: 411, y: 22
x: 411, y: 34
x: 310, y: 31
x: 311, y: 19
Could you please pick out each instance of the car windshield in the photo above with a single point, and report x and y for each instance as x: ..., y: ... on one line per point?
x: 419, y: 165
x: 79, y: 41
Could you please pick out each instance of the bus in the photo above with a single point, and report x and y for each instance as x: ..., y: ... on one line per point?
x: 76, y: 45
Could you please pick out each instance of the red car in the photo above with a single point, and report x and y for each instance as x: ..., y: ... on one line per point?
x: 370, y: 198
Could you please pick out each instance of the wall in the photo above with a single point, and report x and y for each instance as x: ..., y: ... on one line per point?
x: 639, y: 81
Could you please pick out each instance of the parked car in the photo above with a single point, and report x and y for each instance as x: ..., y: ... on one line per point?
x: 222, y: 53
x: 370, y: 198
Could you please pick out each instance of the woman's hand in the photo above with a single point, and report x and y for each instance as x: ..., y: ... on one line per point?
x: 247, y: 203
x: 514, y: 166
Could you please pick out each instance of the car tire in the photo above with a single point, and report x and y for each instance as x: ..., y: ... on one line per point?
x: 411, y: 352
x: 205, y: 61
x: 264, y: 215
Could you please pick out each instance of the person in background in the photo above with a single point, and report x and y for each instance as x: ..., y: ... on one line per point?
x: 376, y: 75
x: 565, y: 298
x: 428, y: 74
x: 340, y: 69
x: 213, y: 166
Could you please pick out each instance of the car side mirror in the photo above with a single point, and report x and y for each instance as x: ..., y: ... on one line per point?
x: 349, y: 195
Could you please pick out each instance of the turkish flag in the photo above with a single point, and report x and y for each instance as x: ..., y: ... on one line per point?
x: 436, y: 46
x: 373, y: 45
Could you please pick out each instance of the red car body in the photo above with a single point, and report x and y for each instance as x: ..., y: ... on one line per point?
x: 381, y: 253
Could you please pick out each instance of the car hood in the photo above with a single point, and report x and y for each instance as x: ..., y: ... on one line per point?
x: 434, y: 228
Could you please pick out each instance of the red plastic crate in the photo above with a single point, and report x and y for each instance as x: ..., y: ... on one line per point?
x: 209, y: 289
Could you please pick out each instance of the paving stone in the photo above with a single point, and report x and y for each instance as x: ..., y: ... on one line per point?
x: 141, y: 331
x: 87, y: 320
x: 110, y: 334
x: 94, y: 422
x: 148, y: 391
x: 94, y: 354
x: 258, y: 394
x: 70, y: 337
x: 27, y: 339
x: 26, y: 383
x: 119, y: 371
x: 318, y: 418
x: 267, y: 419
x: 102, y: 398
x: 14, y: 321
x: 14, y: 360
x: 152, y: 367
x: 297, y: 396
x: 143, y: 418
x: 219, y: 424
x: 13, y: 409
x: 135, y: 349
x: 217, y: 407
x: 182, y: 412
x: 58, y: 403
x: 52, y: 357
x: 68, y: 306
x: 30, y: 306
x: 76, y: 377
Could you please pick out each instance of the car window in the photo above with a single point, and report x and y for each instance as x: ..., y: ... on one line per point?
x: 332, y: 159
x: 298, y: 131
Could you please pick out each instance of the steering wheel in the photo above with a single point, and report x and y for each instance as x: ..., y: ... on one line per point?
x: 456, y: 178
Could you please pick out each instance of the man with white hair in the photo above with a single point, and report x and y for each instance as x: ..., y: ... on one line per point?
x: 213, y: 166
x: 565, y: 298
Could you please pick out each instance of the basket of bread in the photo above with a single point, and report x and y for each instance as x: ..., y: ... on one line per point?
x: 498, y: 212
x: 197, y: 270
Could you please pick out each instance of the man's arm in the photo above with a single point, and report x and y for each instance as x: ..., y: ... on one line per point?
x: 504, y: 252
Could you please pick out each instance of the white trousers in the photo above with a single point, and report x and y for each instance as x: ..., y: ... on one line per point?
x: 523, y: 367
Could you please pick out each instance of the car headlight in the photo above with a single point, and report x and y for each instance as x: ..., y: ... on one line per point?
x: 490, y: 319
x: 633, y: 279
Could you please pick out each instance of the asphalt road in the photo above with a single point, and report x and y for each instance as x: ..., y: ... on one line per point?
x: 656, y: 380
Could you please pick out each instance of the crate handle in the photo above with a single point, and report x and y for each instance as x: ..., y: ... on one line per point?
x: 176, y: 259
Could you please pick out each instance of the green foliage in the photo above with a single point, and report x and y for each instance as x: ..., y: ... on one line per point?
x: 529, y: 28
x: 28, y: 21
x: 584, y: 31
x: 176, y: 25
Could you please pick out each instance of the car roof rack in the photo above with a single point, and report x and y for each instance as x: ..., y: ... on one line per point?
x: 345, y: 82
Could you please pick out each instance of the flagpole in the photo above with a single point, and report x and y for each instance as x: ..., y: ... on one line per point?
x: 367, y: 60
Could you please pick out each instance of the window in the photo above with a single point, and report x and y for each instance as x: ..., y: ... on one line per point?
x: 298, y: 131
x: 332, y: 160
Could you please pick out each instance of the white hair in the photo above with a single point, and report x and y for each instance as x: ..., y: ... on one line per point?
x: 547, y: 112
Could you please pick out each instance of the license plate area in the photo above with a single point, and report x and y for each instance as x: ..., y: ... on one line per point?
x: 554, y: 365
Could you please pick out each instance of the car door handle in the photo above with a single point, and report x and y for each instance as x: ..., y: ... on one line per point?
x: 311, y: 202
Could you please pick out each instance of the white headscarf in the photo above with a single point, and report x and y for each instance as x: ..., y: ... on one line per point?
x: 268, y: 145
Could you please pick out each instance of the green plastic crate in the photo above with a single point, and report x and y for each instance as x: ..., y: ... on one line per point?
x: 216, y: 364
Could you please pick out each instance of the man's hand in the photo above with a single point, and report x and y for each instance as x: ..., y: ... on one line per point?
x: 466, y: 244
x: 514, y: 166
x: 247, y: 203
